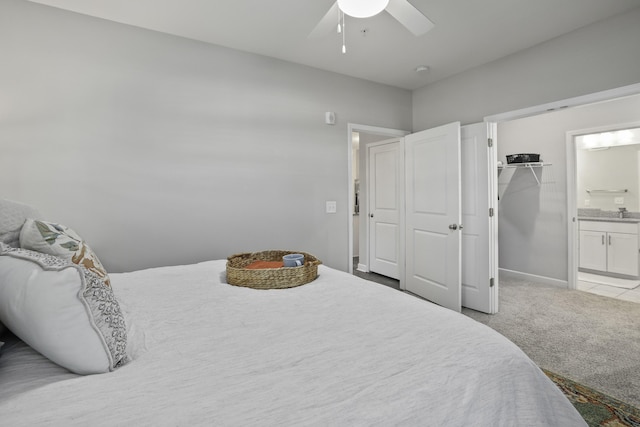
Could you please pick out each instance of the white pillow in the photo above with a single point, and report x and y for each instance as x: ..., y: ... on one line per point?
x: 12, y: 216
x: 62, y: 310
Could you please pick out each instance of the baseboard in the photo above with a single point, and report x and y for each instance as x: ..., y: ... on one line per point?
x: 363, y: 268
x: 533, y: 278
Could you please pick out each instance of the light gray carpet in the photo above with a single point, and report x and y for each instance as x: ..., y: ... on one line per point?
x: 588, y: 338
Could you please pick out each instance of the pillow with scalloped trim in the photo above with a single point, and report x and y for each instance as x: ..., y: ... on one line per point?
x: 62, y: 310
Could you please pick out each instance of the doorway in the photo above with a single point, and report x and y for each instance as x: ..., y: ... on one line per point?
x: 537, y: 238
x: 606, y: 187
x: 446, y: 191
x: 359, y: 136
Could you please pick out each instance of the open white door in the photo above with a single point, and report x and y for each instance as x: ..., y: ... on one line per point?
x: 433, y: 216
x: 479, y: 216
x: 386, y: 187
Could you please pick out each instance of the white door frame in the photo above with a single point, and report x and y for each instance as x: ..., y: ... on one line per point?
x: 572, y: 196
x: 374, y: 130
x: 591, y: 98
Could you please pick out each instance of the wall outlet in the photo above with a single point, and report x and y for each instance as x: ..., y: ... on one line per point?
x: 330, y: 118
x: 618, y: 200
x: 331, y: 206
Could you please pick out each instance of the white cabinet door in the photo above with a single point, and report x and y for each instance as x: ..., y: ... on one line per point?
x: 593, y: 250
x: 622, y: 254
x: 609, y: 247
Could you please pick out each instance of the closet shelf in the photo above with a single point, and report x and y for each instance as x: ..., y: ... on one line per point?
x: 529, y: 166
x: 607, y: 191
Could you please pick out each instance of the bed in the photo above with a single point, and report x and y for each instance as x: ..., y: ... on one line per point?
x: 337, y: 351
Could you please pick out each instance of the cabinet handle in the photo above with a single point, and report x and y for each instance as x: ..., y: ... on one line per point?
x: 603, y: 239
x: 609, y: 239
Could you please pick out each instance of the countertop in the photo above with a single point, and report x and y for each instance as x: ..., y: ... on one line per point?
x: 606, y: 219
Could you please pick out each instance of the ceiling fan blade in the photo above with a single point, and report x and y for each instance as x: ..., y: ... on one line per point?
x: 328, y: 23
x: 409, y: 16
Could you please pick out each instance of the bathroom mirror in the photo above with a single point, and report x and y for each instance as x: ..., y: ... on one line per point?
x: 608, y: 170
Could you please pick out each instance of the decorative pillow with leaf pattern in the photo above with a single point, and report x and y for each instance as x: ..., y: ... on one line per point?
x: 55, y: 239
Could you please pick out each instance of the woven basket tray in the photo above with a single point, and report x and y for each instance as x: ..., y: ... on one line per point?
x: 270, y: 278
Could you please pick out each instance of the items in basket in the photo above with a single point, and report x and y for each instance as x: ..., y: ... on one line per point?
x: 264, y: 264
x: 239, y: 273
x: 293, y: 260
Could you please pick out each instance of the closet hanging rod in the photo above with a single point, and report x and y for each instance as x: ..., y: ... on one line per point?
x: 607, y: 191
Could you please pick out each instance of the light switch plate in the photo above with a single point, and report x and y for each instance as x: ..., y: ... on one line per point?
x: 618, y: 200
x: 331, y: 206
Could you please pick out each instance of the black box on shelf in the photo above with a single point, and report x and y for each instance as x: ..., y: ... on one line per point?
x: 523, y: 158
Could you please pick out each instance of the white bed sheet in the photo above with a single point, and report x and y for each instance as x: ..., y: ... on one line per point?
x: 337, y: 351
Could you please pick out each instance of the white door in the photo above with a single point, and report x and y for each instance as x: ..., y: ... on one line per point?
x: 432, y: 234
x: 479, y: 217
x: 385, y: 179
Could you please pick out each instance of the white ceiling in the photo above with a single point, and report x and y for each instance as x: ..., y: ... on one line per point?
x: 467, y: 33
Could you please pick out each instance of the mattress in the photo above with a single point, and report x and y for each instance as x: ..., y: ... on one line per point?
x: 337, y: 351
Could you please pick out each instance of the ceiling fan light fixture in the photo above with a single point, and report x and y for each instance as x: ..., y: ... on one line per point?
x: 362, y: 8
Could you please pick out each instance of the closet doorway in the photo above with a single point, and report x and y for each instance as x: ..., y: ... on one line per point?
x: 538, y: 233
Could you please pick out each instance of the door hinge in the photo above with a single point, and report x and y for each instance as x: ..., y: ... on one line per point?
x: 491, y: 282
x: 490, y: 212
x: 490, y: 142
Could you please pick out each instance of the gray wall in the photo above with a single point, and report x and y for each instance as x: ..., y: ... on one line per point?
x: 602, y: 56
x: 533, y: 219
x: 161, y: 150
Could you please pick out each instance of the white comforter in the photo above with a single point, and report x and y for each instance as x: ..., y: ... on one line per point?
x: 339, y: 351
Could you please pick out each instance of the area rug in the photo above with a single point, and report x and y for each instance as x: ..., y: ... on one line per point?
x: 596, y: 408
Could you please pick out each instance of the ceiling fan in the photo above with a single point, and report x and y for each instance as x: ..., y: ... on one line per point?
x: 402, y: 10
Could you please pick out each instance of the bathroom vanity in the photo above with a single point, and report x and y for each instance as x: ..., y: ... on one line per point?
x: 609, y: 246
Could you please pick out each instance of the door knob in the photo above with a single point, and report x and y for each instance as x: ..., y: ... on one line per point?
x: 371, y: 215
x: 453, y: 226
